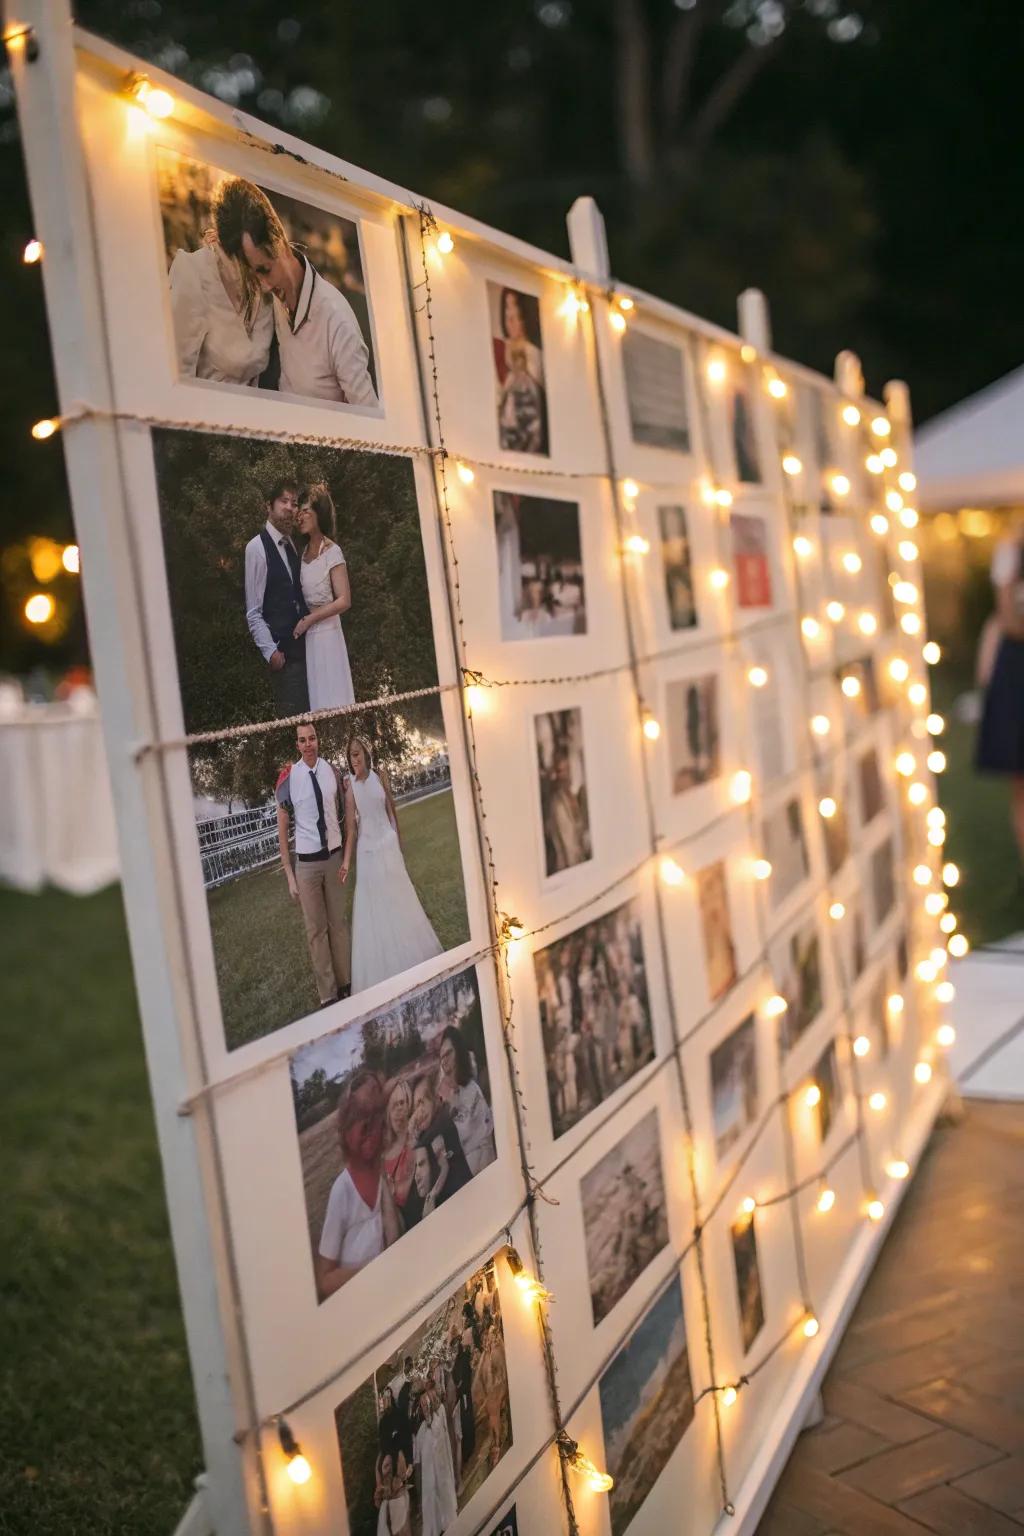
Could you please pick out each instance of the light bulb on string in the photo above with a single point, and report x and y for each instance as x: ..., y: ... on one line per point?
x: 716, y: 370
x: 881, y: 426
x: 925, y: 971
x: 672, y: 873
x: 812, y: 1096
x: 861, y: 1046
x: 826, y: 1200
x: 597, y: 1481
x: 931, y: 652
x: 465, y: 473
x: 867, y: 623
x: 71, y: 559
x: 851, y: 415
x: 852, y: 562
x: 938, y: 957
x: 741, y: 786
x: 937, y: 761
x: 888, y: 457
x: 894, y: 1002
x: 837, y: 911
x: 899, y: 670
x: 802, y: 546
x: 936, y: 836
x: 936, y: 816
x: 835, y: 611
x: 958, y: 946
x: 748, y: 1205
x: 33, y: 252
x: 777, y: 387
x: 850, y: 686
x: 630, y: 490
x: 935, y: 902
x: 905, y: 592
x: 748, y: 353
x: 936, y: 725
x: 297, y: 1467
x: 827, y: 807
x: 728, y: 1396
x: 917, y: 693
x: 947, y: 922
x: 625, y: 303
x: 718, y: 579
x: 907, y: 480
x: 910, y: 623
x: 41, y: 430
x: 922, y: 874
x: 809, y: 627
x: 874, y: 465
x: 39, y: 608
x: 821, y: 725
x: 153, y: 99
x: 791, y: 464
x: 757, y: 676
x: 917, y: 793
x: 445, y: 242
x: 945, y: 992
x: 775, y: 1006
x: 875, y: 1209
x: 811, y: 1327
x: 893, y: 500
x: 879, y: 523
x: 617, y: 320
x: 923, y: 1072
x: 950, y: 874
x: 945, y: 1036
x: 723, y: 497
x: 877, y: 1101
x: 909, y: 517
x: 905, y: 764
x: 530, y: 1287
x: 908, y: 550
x: 898, y: 1168
x: 636, y: 544
x: 651, y: 726
x: 760, y: 869
x: 840, y: 485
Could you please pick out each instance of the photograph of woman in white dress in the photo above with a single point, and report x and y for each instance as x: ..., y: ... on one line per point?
x: 519, y: 370
x: 328, y: 595
x: 390, y: 930
x: 223, y: 322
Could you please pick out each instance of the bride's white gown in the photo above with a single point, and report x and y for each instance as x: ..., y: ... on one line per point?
x: 328, y: 673
x: 390, y: 930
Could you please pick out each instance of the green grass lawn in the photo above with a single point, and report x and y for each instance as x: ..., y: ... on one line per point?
x: 99, y: 1432
x: 987, y: 901
x: 259, y: 941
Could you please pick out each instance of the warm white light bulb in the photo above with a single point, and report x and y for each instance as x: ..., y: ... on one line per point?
x: 908, y: 550
x: 630, y: 490
x: 905, y: 764
x: 899, y: 1168
x: 299, y: 1469
x: 465, y: 473
x: 812, y: 1096
x: 950, y: 874
x: 945, y: 1035
x: 851, y: 415
x: 835, y: 611
x: 945, y: 992
x: 716, y: 370
x: 774, y: 1006
x: 671, y: 872
x: 931, y: 652
x: 723, y: 498
x: 651, y: 728
x: 827, y: 807
x: 617, y: 321
x: 852, y: 562
x: 936, y: 836
x: 936, y: 725
x: 840, y: 485
x: 741, y: 786
x: 811, y: 1327
x: 947, y: 922
x: 837, y: 911
x: 850, y: 686
x: 879, y: 523
x: 936, y: 816
x: 803, y: 546
x: 748, y: 1205
x: 958, y: 946
x: 718, y: 578
x: 894, y: 1002
x: 445, y: 242
x: 810, y: 627
x: 905, y: 592
x: 917, y: 793
x: 636, y: 544
x: 821, y: 725
x: 937, y: 762
x: 893, y: 500
x: 777, y: 388
x: 924, y: 971
x: 861, y: 1046
x: 874, y: 465
x: 761, y: 869
x: 910, y: 623
x: 922, y: 874
x: 917, y: 693
x: 888, y: 457
x: 826, y: 1200
x: 907, y: 481
x: 880, y: 426
x: 32, y: 253
x: 791, y: 464
x: 875, y: 1210
x: 867, y: 623
x: 877, y: 1101
x: 935, y: 902
x: 728, y: 1396
x: 923, y: 1072
x: 909, y: 517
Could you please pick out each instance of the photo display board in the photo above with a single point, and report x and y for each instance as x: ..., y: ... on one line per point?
x: 514, y: 695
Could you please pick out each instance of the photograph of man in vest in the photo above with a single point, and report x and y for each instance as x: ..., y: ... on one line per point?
x: 274, y: 603
x: 310, y: 795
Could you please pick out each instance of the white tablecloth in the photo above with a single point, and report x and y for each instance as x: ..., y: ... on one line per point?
x: 56, y: 813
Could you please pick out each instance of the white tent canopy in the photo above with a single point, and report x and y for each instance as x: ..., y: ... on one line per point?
x: 973, y: 454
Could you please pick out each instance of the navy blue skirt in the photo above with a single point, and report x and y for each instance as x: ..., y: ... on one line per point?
x: 1001, y: 736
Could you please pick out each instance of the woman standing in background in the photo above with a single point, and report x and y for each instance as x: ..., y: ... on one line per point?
x: 1001, y: 736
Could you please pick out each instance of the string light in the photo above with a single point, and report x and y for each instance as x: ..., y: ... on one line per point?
x: 879, y: 523
x: 741, y: 786
x: 748, y: 1205
x: 905, y: 764
x: 894, y: 1002
x: 728, y: 1396
x: 950, y: 874
x: 917, y: 693
x: 852, y: 562
x: 907, y: 480
x: 851, y: 415
x: 530, y: 1287
x: 791, y: 464
x: 867, y: 623
x: 775, y: 1006
x: 748, y: 353
x: 476, y: 699
x: 298, y: 1468
x: 46, y: 428
x: 917, y: 793
x: 909, y: 517
x: 910, y: 623
x: 810, y: 627
x: 651, y: 726
x: 761, y: 869
x: 718, y: 578
x: 71, y: 559
x: 899, y: 1168
x: 821, y: 725
x: 899, y: 670
x: 936, y: 725
x: 777, y: 387
x: 877, y: 1101
x: 625, y: 303
x: 893, y: 500
x: 945, y: 992
x: 874, y: 465
x: 597, y: 1481
x: 935, y: 903
x: 850, y: 686
x: 881, y: 427
x: 945, y: 1036
x: 958, y: 946
x: 446, y: 242
x: 154, y: 100
x: 905, y: 592
x: 925, y: 971
x: 617, y: 320
x: 947, y: 922
x: 636, y: 544
x: 671, y: 872
x: 716, y: 370
x: 630, y: 490
x: 938, y: 957
x: 861, y: 1046
x: 811, y: 1327
x: 723, y: 498
x: 923, y: 1072
x: 922, y: 875
x: 931, y: 652
x: 757, y: 676
x: 575, y: 303
x: 936, y: 816
x: 840, y: 485
x: 803, y: 546
x: 937, y: 761
x: 39, y: 608
x: 827, y: 807
x: 835, y: 611
x: 33, y: 252
x: 908, y: 550
x: 875, y: 1209
x: 511, y: 928
x: 936, y: 836
x: 888, y: 457
x: 812, y: 1096
x: 837, y: 911
x: 826, y: 1200
x: 465, y: 474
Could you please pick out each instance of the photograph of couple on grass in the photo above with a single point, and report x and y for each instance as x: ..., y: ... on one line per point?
x: 425, y: 1431
x: 393, y: 1115
x: 329, y: 847
x: 265, y: 292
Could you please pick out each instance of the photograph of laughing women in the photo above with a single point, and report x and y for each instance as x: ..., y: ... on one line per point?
x: 265, y: 292
x: 393, y: 1115
x: 426, y: 1429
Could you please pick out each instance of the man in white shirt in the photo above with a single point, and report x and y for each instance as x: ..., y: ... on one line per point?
x: 274, y: 603
x: 309, y: 794
x: 322, y: 351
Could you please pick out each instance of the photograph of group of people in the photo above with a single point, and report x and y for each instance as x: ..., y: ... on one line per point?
x: 265, y: 292
x: 677, y: 568
x: 541, y: 590
x: 716, y: 928
x: 393, y: 1116
x: 691, y: 712
x: 562, y: 778
x: 749, y: 1296
x: 655, y: 374
x: 517, y: 351
x: 734, y: 1084
x: 595, y: 1014
x: 425, y: 1431
x: 796, y: 967
x: 297, y: 584
x: 625, y: 1221
x: 646, y: 1404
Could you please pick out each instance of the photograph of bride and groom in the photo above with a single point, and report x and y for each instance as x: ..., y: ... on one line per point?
x: 329, y: 845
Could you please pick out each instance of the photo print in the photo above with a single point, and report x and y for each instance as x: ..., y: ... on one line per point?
x: 563, y: 789
x: 772, y: 741
x: 862, y: 701
x: 749, y: 1296
x: 836, y: 827
x: 625, y: 1223
x: 393, y: 1115
x: 883, y: 881
x: 796, y: 968
x: 826, y: 1076
x: 655, y: 373
x: 265, y: 291
x: 742, y: 425
x: 872, y: 795
x: 716, y: 926
x: 508, y: 1525
x: 677, y: 568
x: 785, y: 847
x: 517, y: 351
x: 541, y: 592
x: 734, y: 1091
x: 878, y: 1011
x: 825, y: 426
x: 646, y: 1405
x: 595, y: 1015
x: 425, y: 1431
x: 749, y: 537
x: 691, y: 708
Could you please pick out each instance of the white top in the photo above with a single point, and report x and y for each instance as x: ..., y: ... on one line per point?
x: 474, y: 1122
x: 256, y: 586
x: 296, y: 794
x: 323, y: 353
x: 210, y: 336
x: 1008, y: 569
x: 315, y: 576
x: 375, y: 829
x: 353, y: 1232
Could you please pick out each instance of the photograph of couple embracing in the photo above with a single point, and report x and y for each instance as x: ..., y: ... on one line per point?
x: 329, y: 843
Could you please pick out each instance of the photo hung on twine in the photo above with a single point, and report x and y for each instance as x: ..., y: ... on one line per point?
x: 562, y: 778
x: 517, y: 353
x: 749, y: 1295
x: 393, y: 1116
x: 625, y: 1221
x: 796, y: 968
x: 265, y: 292
x: 749, y: 536
x: 734, y: 1085
x: 595, y: 1014
x: 691, y: 710
x: 541, y: 589
x: 655, y: 373
x: 427, y: 1428
x: 677, y: 568
x: 716, y: 926
x: 646, y: 1404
